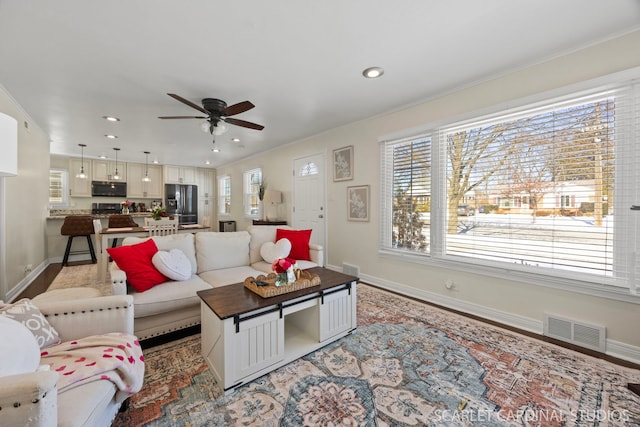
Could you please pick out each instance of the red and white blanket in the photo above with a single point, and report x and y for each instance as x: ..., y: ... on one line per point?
x: 114, y: 357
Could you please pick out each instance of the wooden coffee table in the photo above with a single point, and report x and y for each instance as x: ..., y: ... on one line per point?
x: 245, y: 336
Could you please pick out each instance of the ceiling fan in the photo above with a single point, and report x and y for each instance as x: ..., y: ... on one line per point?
x: 217, y: 111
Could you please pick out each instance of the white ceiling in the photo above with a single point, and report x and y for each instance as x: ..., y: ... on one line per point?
x: 70, y: 62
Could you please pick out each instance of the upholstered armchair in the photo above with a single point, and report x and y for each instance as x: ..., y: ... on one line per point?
x: 32, y: 395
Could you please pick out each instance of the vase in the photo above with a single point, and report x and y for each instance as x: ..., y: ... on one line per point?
x: 281, y: 279
x: 125, y: 210
x: 262, y: 215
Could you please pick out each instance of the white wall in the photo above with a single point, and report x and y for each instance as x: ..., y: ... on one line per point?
x: 356, y: 243
x: 26, y: 198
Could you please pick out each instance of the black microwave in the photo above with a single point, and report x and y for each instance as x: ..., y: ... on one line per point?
x: 108, y: 189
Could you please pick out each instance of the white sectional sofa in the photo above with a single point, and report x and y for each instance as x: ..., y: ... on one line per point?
x: 217, y: 259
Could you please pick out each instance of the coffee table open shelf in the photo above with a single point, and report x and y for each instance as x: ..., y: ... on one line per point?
x: 245, y: 336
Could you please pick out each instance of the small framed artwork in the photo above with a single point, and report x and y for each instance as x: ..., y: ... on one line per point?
x: 358, y: 203
x: 343, y: 163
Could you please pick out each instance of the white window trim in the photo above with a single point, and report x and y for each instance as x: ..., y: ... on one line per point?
x: 222, y: 195
x: 247, y: 194
x: 592, y: 288
x: 65, y: 189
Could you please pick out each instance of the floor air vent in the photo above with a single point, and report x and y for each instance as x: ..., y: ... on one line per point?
x: 350, y: 269
x: 571, y: 331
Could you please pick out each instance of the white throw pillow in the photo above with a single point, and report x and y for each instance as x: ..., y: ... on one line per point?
x: 174, y: 264
x: 19, y: 350
x: 185, y: 242
x: 272, y: 251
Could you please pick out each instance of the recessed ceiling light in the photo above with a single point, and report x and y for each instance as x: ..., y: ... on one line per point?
x: 111, y: 118
x: 207, y: 162
x: 110, y: 136
x: 155, y: 162
x: 236, y: 139
x: 373, y: 72
x: 215, y: 150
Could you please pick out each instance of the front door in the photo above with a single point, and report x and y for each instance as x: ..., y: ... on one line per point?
x: 309, y: 197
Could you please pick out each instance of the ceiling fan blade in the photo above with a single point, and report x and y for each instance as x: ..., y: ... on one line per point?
x: 244, y: 123
x: 238, y: 108
x: 187, y: 102
x: 183, y: 117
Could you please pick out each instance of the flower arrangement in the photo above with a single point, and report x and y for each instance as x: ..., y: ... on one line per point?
x: 261, y: 190
x: 158, y: 212
x: 283, y: 267
x: 125, y: 206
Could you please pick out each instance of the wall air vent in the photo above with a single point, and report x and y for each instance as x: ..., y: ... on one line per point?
x: 350, y: 269
x: 574, y: 332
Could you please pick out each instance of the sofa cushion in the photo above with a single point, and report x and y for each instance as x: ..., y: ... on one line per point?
x: 135, y: 261
x: 215, y: 250
x: 299, y: 242
x: 259, y: 235
x: 272, y: 251
x: 229, y: 276
x: 173, y: 264
x: 169, y: 296
x: 19, y: 350
x: 25, y: 312
x: 183, y: 241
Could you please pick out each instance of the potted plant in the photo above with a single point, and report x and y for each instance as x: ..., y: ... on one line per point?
x: 158, y: 212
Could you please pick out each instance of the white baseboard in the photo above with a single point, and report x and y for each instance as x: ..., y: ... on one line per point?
x: 613, y: 348
x: 24, y: 283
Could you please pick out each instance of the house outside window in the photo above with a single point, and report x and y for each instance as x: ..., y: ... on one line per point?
x: 58, y: 188
x: 224, y: 195
x: 549, y: 186
x: 252, y: 180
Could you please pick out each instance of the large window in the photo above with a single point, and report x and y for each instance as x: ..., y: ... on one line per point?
x: 224, y: 195
x: 252, y: 185
x: 542, y: 190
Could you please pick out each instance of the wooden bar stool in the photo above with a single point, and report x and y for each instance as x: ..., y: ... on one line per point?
x: 78, y: 225
x: 120, y: 221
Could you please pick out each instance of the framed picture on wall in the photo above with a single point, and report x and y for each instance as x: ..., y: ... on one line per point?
x: 358, y: 203
x: 343, y: 163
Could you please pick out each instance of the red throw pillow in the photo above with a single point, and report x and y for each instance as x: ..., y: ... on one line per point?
x: 299, y: 242
x: 136, y: 261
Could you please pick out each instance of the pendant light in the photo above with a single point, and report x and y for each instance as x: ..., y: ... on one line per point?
x: 115, y: 175
x: 146, y: 169
x: 82, y: 175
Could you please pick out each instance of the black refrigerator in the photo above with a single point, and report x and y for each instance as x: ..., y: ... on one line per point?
x: 181, y: 200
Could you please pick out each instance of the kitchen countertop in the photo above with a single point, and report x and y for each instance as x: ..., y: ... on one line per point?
x: 60, y: 214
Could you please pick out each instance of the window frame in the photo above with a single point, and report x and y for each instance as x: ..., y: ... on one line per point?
x: 434, y: 257
x: 224, y: 195
x: 250, y: 190
x: 65, y: 185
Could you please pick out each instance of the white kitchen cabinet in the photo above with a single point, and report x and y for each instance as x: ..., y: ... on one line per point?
x: 206, y: 196
x: 206, y: 183
x: 137, y: 188
x: 79, y: 187
x: 103, y: 170
x: 179, y: 174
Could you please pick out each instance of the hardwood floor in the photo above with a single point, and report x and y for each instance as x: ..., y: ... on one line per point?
x: 43, y: 281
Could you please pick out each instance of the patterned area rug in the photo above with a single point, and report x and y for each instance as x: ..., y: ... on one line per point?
x: 80, y: 276
x: 407, y: 364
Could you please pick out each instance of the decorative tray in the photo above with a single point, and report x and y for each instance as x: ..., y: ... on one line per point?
x: 304, y: 280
